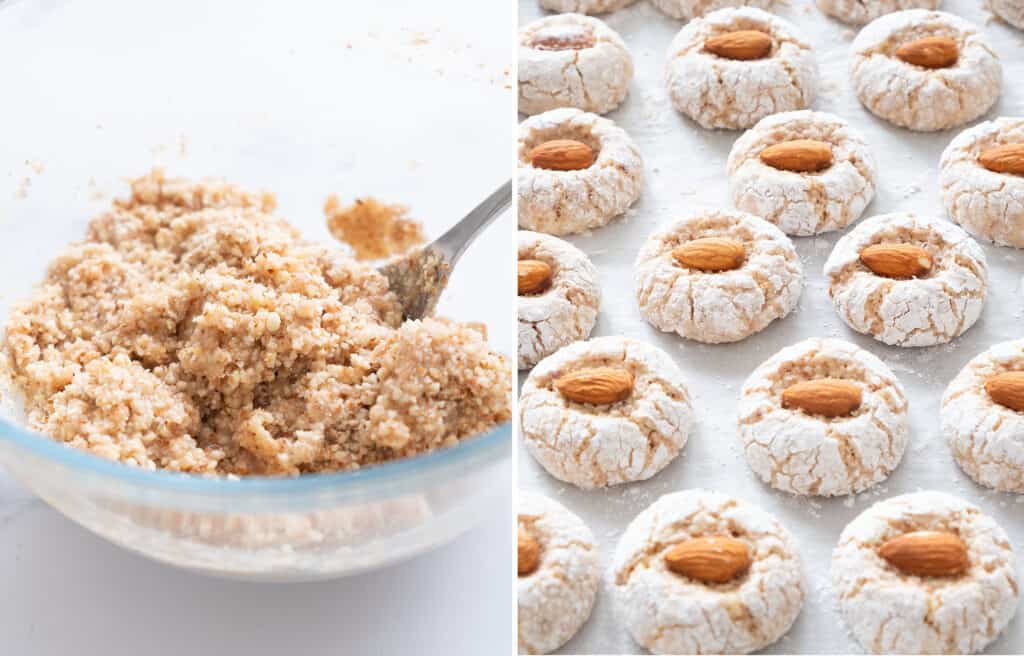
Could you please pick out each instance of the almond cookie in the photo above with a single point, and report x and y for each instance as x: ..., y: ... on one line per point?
x: 823, y: 417
x: 1011, y: 11
x: 806, y: 172
x: 925, y: 70
x: 558, y: 296
x: 558, y: 574
x: 982, y: 178
x: 860, y: 12
x: 690, y: 9
x: 571, y: 60
x: 699, y: 572
x: 924, y: 573
x: 907, y: 280
x: 577, y: 171
x: 733, y: 67
x: 584, y: 6
x: 983, y: 417
x: 607, y: 411
x: 717, y: 276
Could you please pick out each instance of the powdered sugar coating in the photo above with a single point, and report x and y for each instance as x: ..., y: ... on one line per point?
x: 599, y: 445
x: 924, y: 311
x: 918, y: 98
x: 724, y: 93
x: 568, y: 202
x: 805, y: 203
x: 594, y: 78
x: 690, y: 9
x: 1011, y: 11
x: 671, y: 614
x: 556, y: 599
x: 892, y: 612
x: 565, y: 312
x: 860, y: 12
x: 987, y: 204
x: 584, y: 6
x: 811, y: 454
x: 986, y: 438
x: 724, y: 306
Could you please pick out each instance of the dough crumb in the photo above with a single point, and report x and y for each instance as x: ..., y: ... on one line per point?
x: 373, y: 229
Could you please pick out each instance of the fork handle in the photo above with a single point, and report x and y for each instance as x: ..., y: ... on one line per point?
x: 454, y: 242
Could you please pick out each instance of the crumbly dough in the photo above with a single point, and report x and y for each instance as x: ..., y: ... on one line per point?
x: 596, y: 446
x: 593, y: 76
x: 690, y: 9
x: 584, y: 6
x: 1011, y: 11
x: 811, y: 454
x: 556, y: 599
x: 803, y: 203
x: 566, y: 312
x: 194, y: 331
x: 725, y: 306
x: 568, y: 202
x: 920, y: 98
x: 924, y: 311
x: 670, y: 614
x: 986, y: 438
x: 373, y: 229
x: 987, y: 204
x: 724, y: 93
x: 861, y: 12
x: 891, y: 612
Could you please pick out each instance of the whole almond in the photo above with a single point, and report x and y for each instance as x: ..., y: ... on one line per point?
x: 529, y: 553
x: 743, y: 45
x: 1007, y: 389
x: 534, y: 277
x: 829, y: 397
x: 930, y: 52
x: 559, y: 39
x: 710, y: 254
x: 710, y: 559
x: 562, y: 155
x: 1004, y: 159
x: 926, y: 553
x: 799, y: 155
x: 596, y: 385
x: 897, y: 260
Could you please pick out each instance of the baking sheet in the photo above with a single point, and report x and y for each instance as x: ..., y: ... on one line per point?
x: 685, y: 169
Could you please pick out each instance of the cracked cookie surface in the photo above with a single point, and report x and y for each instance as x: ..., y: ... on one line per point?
x: 584, y: 6
x: 924, y: 311
x: 669, y: 613
x: 1011, y: 11
x: 592, y: 445
x: 802, y: 453
x: 803, y: 202
x: 890, y: 611
x: 690, y: 9
x: 861, y: 12
x: 919, y: 98
x: 717, y: 92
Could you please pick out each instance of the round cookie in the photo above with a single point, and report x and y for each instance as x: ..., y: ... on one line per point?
x: 932, y: 308
x: 805, y: 188
x: 637, y: 424
x: 721, y: 91
x: 558, y: 296
x: 932, y: 93
x: 670, y: 612
x: 571, y: 60
x: 982, y: 422
x: 564, y: 202
x: 1011, y: 11
x: 558, y: 576
x: 861, y: 12
x: 584, y: 6
x: 893, y: 611
x: 690, y: 9
x: 797, y: 447
x: 987, y: 202
x: 708, y: 302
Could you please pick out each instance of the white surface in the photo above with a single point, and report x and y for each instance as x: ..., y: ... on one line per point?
x: 685, y: 167
x: 408, y: 101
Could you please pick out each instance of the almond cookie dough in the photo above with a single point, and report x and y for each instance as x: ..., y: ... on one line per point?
x: 983, y: 417
x: 723, y: 75
x: 690, y: 9
x: 584, y: 6
x: 717, y: 276
x: 823, y: 417
x: 577, y: 171
x: 925, y: 70
x: 558, y: 574
x: 571, y: 60
x: 861, y: 12
x: 925, y: 573
x: 806, y: 172
x: 982, y: 178
x: 558, y: 296
x: 606, y: 411
x: 907, y: 280
x: 1011, y: 11
x: 700, y: 572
